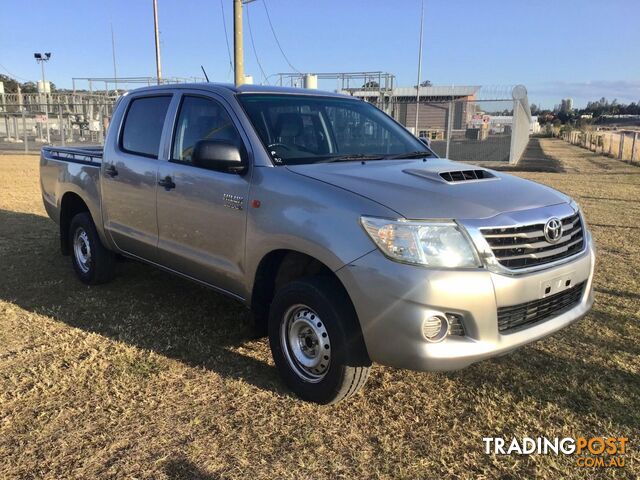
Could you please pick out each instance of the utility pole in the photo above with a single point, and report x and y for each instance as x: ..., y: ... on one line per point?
x: 157, y: 34
x: 113, y: 53
x: 238, y: 54
x: 416, y: 133
x: 41, y: 58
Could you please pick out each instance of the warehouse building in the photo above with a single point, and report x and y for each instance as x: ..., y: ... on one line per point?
x: 435, y: 104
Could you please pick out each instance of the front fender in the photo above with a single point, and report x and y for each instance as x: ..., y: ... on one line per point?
x: 308, y: 216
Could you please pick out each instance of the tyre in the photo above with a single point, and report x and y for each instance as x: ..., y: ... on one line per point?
x: 92, y: 262
x: 316, y: 341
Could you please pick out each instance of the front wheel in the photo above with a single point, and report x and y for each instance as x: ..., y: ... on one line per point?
x: 316, y: 340
x: 92, y: 262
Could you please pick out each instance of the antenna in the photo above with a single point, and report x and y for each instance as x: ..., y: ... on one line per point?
x: 205, y: 73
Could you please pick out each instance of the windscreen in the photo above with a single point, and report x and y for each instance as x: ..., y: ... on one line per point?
x: 299, y: 129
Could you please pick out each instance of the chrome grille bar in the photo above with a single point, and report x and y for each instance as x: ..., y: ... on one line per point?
x: 544, y: 254
x: 526, y: 246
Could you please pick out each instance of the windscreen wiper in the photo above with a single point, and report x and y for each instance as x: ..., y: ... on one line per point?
x: 352, y: 157
x: 416, y: 154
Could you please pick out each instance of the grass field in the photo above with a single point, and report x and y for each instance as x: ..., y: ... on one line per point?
x: 151, y: 376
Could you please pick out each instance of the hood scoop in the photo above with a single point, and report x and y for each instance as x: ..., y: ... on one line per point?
x: 453, y: 176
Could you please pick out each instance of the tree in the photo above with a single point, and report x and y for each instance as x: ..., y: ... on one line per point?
x: 29, y: 87
x: 10, y: 85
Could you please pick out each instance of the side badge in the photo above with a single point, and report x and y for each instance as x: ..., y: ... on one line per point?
x: 233, y: 201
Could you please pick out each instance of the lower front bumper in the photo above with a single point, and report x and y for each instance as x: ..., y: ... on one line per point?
x: 392, y: 300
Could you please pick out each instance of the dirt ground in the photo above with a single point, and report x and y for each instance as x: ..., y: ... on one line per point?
x: 151, y: 376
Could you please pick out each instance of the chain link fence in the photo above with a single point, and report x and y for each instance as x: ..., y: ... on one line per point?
x: 29, y: 121
x: 469, y: 124
x: 463, y: 129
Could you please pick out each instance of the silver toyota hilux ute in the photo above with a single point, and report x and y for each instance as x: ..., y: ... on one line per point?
x: 348, y: 238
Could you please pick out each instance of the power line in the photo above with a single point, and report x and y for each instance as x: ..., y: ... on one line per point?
x: 12, y: 75
x: 226, y: 37
x: 264, y: 2
x: 253, y: 46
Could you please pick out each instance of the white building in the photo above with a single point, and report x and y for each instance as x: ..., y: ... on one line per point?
x: 504, y: 123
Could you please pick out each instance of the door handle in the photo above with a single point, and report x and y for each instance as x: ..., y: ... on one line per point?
x: 111, y: 171
x: 167, y: 183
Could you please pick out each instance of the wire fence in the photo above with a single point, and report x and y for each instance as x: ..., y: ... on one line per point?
x: 29, y: 121
x: 472, y: 125
x: 621, y: 144
x: 463, y: 129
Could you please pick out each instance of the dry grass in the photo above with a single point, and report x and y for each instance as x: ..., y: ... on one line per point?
x: 154, y: 377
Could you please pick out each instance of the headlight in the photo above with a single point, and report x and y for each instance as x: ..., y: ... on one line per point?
x: 436, y: 244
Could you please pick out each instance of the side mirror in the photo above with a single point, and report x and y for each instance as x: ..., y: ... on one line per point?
x: 218, y: 155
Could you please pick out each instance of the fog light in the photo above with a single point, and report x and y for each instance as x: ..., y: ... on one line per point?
x: 435, y: 328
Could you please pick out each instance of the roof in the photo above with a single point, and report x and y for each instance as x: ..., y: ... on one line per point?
x: 217, y: 87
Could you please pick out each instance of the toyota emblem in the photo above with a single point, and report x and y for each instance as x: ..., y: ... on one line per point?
x: 553, y: 230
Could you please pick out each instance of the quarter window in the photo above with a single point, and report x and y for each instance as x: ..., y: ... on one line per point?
x: 143, y: 125
x: 201, y: 119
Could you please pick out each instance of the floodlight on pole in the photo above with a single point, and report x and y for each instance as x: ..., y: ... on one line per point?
x: 41, y: 58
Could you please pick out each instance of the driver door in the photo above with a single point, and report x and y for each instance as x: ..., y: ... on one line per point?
x: 201, y: 212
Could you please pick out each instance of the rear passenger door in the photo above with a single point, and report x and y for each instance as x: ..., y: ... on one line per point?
x: 201, y: 212
x: 129, y: 174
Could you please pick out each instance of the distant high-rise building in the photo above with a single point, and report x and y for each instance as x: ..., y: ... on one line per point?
x: 566, y: 105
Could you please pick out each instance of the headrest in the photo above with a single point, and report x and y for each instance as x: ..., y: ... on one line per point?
x: 206, y: 121
x: 289, y: 125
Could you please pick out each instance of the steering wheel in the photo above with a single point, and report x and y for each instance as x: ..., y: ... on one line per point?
x: 286, y: 147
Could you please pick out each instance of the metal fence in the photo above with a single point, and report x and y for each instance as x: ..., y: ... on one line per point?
x: 29, y: 121
x: 620, y: 144
x: 474, y: 125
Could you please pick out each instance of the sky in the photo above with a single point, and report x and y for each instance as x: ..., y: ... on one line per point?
x: 583, y: 49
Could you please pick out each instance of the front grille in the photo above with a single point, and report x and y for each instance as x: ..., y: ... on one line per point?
x: 526, y: 246
x: 527, y: 313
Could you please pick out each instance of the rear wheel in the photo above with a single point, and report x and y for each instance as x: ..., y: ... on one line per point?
x: 92, y: 262
x: 316, y: 340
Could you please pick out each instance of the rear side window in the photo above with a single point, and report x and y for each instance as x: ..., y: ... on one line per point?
x: 143, y: 125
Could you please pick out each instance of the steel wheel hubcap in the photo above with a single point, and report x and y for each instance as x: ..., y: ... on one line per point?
x: 305, y: 343
x: 82, y: 250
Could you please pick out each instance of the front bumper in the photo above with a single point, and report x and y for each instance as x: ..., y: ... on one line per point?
x: 392, y: 300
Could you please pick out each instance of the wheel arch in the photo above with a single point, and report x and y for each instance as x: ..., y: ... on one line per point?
x: 281, y: 266
x: 70, y: 205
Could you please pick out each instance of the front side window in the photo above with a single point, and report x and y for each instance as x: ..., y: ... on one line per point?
x: 201, y: 119
x: 298, y: 129
x: 143, y: 125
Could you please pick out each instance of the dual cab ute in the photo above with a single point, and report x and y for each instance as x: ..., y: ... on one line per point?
x: 348, y: 238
